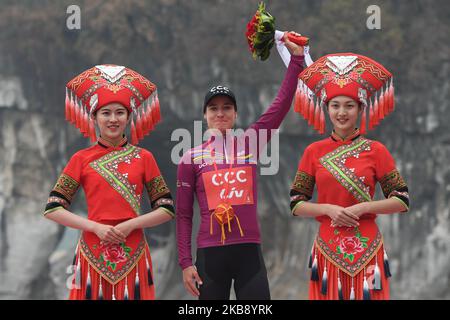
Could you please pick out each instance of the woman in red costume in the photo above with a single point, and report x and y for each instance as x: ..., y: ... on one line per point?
x: 112, y: 258
x: 348, y: 259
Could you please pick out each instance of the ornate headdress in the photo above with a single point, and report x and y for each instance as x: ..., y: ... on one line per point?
x: 344, y: 74
x: 105, y: 84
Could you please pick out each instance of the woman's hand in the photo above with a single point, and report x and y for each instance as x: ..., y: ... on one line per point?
x: 190, y: 279
x: 109, y: 234
x: 126, y: 227
x: 358, y: 209
x: 294, y: 49
x: 341, y: 217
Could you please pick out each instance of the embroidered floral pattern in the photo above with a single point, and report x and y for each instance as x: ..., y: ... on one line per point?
x: 304, y: 183
x: 343, y: 260
x: 112, y: 276
x: 107, y: 167
x: 156, y: 188
x: 67, y: 186
x: 350, y: 245
x: 334, y: 162
x: 390, y: 182
x: 113, y: 254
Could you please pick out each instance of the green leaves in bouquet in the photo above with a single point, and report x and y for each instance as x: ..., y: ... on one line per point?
x: 265, y: 34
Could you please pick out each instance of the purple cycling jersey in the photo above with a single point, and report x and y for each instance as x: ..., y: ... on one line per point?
x: 225, y: 167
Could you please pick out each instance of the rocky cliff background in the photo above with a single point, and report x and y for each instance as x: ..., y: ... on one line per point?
x: 185, y: 47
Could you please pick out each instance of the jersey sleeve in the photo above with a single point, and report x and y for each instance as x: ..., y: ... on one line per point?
x: 271, y: 119
x: 185, y: 203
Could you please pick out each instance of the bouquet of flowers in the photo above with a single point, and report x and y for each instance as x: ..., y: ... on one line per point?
x: 261, y: 34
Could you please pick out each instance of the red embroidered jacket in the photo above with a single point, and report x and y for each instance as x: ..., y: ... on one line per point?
x: 113, y: 180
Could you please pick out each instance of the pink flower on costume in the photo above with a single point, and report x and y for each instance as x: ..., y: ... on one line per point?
x: 351, y: 245
x: 115, y: 254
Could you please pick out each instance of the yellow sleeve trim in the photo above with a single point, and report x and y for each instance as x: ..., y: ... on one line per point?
x: 404, y: 204
x: 293, y: 209
x: 172, y: 215
x: 52, y: 210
